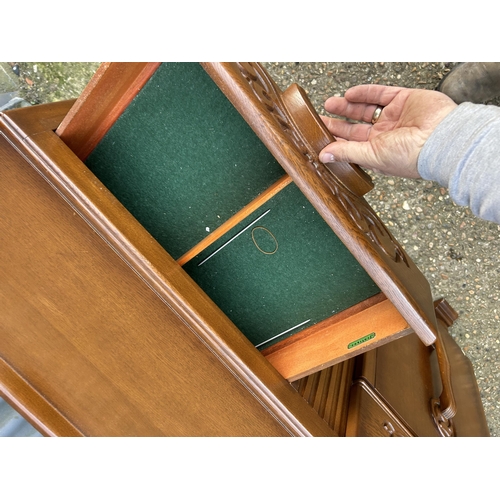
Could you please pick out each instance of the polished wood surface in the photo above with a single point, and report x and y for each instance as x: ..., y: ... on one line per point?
x: 398, y: 379
x: 398, y: 389
x: 103, y: 344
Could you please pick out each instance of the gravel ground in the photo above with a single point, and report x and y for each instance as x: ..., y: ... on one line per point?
x: 457, y: 252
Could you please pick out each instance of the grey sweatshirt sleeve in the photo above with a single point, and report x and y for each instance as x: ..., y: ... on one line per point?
x: 463, y: 155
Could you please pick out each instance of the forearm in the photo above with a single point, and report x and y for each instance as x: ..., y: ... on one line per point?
x: 463, y: 154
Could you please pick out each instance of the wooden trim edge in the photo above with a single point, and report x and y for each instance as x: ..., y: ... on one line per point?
x: 32, y: 406
x: 367, y: 325
x: 109, y: 92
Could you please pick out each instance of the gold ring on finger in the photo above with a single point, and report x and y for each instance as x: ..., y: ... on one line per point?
x: 376, y: 114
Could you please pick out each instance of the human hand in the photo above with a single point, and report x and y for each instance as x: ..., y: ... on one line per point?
x: 390, y: 146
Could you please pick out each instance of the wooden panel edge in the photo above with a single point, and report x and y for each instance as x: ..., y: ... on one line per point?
x: 370, y: 325
x: 109, y: 92
x: 328, y: 322
x: 328, y: 392
x: 31, y: 120
x: 32, y: 405
x: 356, y: 415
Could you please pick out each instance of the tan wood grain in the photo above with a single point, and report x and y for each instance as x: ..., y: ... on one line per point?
x: 327, y: 342
x: 328, y: 392
x: 120, y: 327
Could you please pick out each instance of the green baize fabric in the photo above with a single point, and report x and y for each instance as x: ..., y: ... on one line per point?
x: 182, y: 160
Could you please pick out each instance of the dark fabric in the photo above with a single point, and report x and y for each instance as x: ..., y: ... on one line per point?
x: 310, y: 276
x: 182, y: 160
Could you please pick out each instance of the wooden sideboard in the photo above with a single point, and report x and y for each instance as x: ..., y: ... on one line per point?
x: 103, y: 332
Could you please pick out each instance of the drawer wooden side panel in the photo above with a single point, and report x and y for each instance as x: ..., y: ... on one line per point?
x: 371, y: 416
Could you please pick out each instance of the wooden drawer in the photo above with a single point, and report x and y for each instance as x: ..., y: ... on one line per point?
x: 393, y: 390
x: 185, y: 163
x: 371, y: 416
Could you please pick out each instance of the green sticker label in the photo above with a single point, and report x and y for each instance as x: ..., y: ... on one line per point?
x: 362, y: 340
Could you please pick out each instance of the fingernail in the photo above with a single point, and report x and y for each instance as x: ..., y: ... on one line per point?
x: 327, y: 158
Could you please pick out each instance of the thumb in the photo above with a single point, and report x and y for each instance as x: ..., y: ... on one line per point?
x: 360, y: 153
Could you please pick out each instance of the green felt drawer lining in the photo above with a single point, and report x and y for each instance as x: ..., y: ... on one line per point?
x: 286, y: 268
x: 182, y: 160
